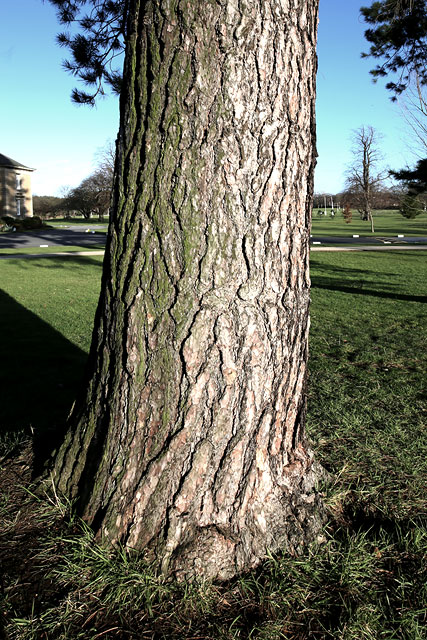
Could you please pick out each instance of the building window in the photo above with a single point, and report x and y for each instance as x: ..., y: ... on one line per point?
x: 18, y: 181
x: 18, y: 206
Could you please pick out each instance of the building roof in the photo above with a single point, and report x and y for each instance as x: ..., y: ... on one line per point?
x: 8, y: 162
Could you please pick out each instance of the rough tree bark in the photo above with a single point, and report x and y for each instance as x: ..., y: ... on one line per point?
x: 188, y: 442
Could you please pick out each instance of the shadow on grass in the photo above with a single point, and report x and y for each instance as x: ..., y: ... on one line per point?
x: 39, y: 374
x: 412, y: 230
x: 332, y: 284
x: 347, y: 271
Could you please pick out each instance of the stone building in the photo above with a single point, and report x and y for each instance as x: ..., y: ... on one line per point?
x: 16, y: 198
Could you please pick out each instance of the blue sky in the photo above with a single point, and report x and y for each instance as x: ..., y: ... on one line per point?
x: 41, y: 128
x: 347, y: 98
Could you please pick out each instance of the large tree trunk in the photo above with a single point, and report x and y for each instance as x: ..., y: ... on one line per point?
x: 189, y: 443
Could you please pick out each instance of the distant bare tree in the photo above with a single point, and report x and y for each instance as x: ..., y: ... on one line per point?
x: 80, y: 200
x: 414, y: 109
x: 363, y: 177
x: 92, y: 196
x: 101, y: 183
x: 106, y: 157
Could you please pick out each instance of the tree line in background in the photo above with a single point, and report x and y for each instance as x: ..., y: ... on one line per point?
x: 91, y: 198
x: 367, y: 187
x: 383, y: 198
x: 394, y: 197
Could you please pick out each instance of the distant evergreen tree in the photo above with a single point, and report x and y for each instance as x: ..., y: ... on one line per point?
x: 399, y: 38
x: 415, y: 179
x: 411, y: 206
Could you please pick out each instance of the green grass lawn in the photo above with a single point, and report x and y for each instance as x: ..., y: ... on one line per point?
x: 367, y: 374
x: 46, y: 321
x: 63, y: 222
x: 365, y: 579
x: 387, y: 223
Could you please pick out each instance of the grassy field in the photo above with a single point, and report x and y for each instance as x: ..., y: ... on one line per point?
x: 63, y: 222
x: 387, y: 223
x: 48, y: 305
x: 365, y: 579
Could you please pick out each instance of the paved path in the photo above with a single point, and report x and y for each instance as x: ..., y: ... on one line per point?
x: 76, y: 235
x: 367, y: 240
x: 87, y: 235
x: 70, y: 254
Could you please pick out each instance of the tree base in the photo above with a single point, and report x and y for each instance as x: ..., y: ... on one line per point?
x: 289, y: 519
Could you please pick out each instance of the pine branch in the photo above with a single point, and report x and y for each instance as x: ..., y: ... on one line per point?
x: 96, y: 50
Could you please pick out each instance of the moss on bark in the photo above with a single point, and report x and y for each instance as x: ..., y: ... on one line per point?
x: 188, y: 442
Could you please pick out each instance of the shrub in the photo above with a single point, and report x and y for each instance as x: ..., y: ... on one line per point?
x: 21, y: 224
x: 8, y: 221
x: 347, y: 214
x: 411, y: 206
x: 31, y: 223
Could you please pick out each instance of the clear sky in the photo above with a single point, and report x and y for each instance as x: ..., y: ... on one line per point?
x: 41, y: 128
x: 348, y: 99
